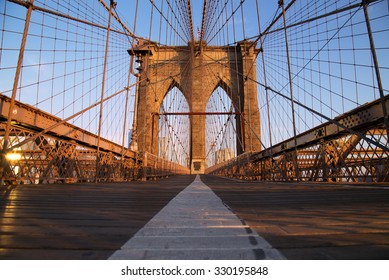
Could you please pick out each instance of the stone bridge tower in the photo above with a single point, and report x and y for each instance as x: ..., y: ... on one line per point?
x: 197, y: 70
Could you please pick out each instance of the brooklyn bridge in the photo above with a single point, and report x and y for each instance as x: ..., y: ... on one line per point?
x: 214, y: 129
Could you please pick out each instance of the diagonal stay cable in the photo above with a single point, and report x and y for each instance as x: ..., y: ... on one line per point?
x: 337, y: 123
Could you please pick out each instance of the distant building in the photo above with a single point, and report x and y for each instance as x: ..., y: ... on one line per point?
x: 223, y: 155
x: 163, y: 143
x: 129, y: 137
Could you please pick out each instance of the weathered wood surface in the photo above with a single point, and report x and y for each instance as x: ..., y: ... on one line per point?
x: 312, y: 221
x: 91, y: 221
x: 79, y: 221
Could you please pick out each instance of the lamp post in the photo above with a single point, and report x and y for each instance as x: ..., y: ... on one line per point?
x: 134, y: 136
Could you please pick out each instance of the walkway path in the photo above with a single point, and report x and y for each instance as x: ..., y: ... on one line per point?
x: 196, y: 225
x: 157, y: 219
x: 79, y: 221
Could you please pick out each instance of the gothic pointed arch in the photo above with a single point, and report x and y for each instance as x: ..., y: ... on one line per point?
x: 174, y: 127
x: 167, y: 87
x: 196, y: 76
x: 222, y: 132
x: 227, y: 87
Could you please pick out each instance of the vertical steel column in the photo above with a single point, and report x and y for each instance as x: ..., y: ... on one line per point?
x: 3, y: 162
x: 134, y: 136
x: 153, y: 115
x: 376, y: 66
x: 125, y: 121
x: 281, y: 4
x: 125, y: 110
x: 267, y: 98
x: 267, y: 92
x: 243, y: 130
x: 112, y: 4
x: 17, y: 74
x: 125, y: 115
x: 144, y: 169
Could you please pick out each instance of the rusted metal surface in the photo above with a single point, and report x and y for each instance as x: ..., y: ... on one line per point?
x: 197, y: 113
x: 312, y: 220
x: 63, y: 15
x: 12, y: 101
x: 29, y: 117
x: 51, y: 159
x: 78, y: 221
x: 155, y: 167
x: 324, y: 153
x: 190, y: 16
x: 67, y: 153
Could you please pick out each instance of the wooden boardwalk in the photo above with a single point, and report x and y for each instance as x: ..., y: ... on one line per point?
x: 91, y: 221
x: 312, y: 220
x: 79, y: 221
x: 196, y: 225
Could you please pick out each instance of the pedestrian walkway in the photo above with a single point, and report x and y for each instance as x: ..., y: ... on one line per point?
x: 196, y: 225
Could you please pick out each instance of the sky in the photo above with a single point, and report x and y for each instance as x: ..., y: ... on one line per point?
x: 48, y: 67
x: 126, y: 11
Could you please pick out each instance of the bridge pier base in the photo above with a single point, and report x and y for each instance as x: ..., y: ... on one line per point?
x: 197, y: 166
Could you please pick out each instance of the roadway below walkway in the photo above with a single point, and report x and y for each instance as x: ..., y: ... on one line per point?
x: 180, y: 217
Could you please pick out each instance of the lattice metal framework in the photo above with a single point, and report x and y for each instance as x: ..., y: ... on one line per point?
x: 320, y: 62
x: 68, y: 88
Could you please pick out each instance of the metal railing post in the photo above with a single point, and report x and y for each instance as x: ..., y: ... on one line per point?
x: 15, y: 87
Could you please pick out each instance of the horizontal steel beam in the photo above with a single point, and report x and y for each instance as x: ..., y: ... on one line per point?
x: 59, y: 14
x: 27, y: 116
x: 366, y: 116
x: 197, y: 113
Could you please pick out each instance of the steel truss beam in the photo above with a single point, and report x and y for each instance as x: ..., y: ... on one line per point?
x: 325, y: 153
x: 27, y: 116
x: 367, y: 116
x: 67, y: 153
x: 50, y: 158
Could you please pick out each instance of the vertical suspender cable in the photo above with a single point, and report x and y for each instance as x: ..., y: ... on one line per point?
x: 112, y: 3
x: 376, y: 67
x: 147, y: 87
x: 239, y: 105
x: 134, y: 136
x: 191, y: 20
x: 203, y: 22
x: 243, y: 29
x: 281, y: 3
x: 15, y: 84
x: 266, y: 90
x: 131, y: 71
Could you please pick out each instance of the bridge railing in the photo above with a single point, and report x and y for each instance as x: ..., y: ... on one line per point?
x: 327, y: 153
x: 155, y: 167
x: 65, y: 93
x: 327, y: 161
x: 50, y: 158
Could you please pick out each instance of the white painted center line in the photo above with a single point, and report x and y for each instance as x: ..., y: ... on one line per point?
x: 196, y: 225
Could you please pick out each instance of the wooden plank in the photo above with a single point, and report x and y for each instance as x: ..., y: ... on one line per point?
x: 312, y: 221
x: 79, y: 221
